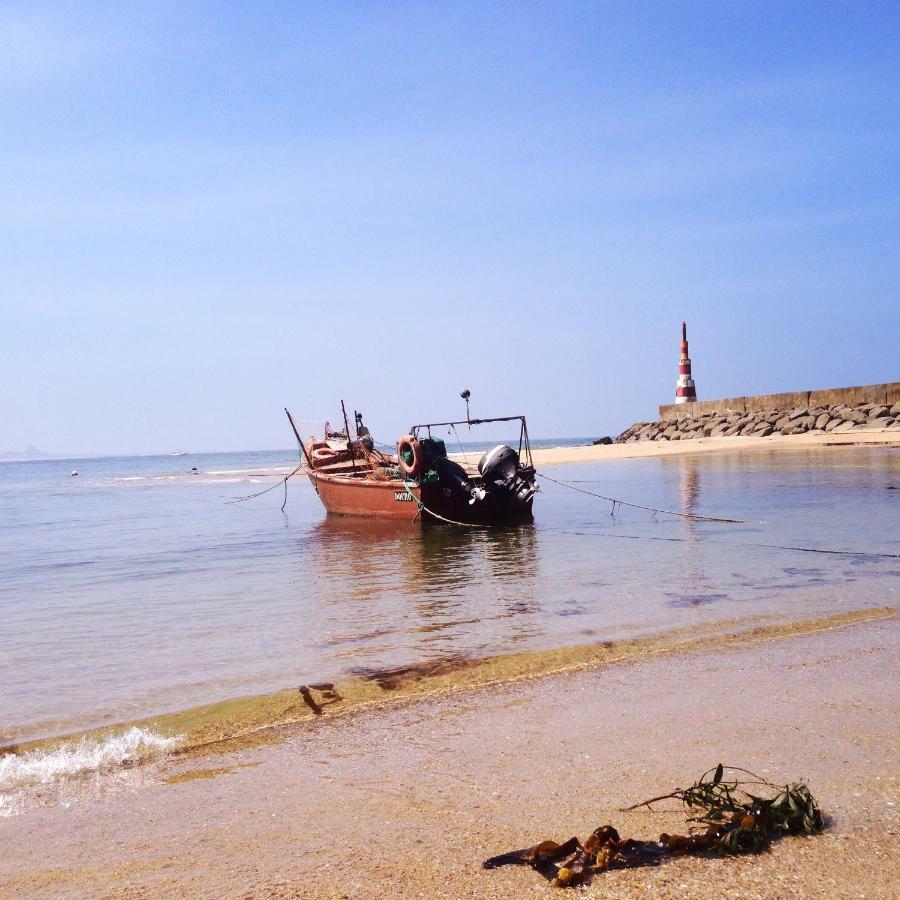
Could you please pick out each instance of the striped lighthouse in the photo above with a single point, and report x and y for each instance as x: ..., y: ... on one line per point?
x: 685, y: 392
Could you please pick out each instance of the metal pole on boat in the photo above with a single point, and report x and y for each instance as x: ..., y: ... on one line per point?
x: 347, y: 432
x: 299, y: 439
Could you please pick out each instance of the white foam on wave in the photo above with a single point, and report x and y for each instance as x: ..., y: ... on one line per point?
x: 205, y: 478
x: 260, y: 472
x: 36, y: 768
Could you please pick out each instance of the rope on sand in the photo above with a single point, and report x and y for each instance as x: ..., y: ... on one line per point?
x: 616, y: 502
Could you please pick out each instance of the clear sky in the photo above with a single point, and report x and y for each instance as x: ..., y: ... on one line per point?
x: 209, y: 211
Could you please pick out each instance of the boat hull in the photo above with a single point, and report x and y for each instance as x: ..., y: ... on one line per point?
x: 362, y: 497
x: 391, y: 499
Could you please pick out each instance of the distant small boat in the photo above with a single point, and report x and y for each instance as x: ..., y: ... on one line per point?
x: 179, y: 453
x: 420, y: 482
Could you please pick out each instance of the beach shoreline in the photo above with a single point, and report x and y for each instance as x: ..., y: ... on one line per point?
x: 410, y: 798
x: 875, y: 437
x: 254, y: 719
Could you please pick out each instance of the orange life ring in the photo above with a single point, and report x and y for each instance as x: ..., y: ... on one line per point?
x: 408, y: 442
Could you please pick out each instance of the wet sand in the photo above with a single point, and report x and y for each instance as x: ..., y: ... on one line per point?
x: 251, y: 720
x: 407, y: 799
x: 646, y: 449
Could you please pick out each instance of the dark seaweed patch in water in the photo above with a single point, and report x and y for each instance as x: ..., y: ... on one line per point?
x: 800, y: 583
x: 518, y: 606
x: 393, y: 678
x: 697, y: 599
x: 793, y: 570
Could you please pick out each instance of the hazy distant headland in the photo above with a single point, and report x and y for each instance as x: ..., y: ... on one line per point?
x: 30, y: 452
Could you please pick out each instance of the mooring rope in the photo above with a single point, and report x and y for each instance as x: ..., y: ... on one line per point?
x: 272, y: 487
x: 424, y: 508
x: 669, y: 512
x: 706, y: 540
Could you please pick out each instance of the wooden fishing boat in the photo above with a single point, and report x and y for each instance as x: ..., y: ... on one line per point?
x: 419, y: 482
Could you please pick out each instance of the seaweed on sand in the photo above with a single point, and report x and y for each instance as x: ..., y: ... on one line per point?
x: 742, y: 813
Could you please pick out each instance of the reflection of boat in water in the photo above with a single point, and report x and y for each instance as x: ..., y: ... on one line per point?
x: 179, y: 453
x: 439, y: 561
x: 379, y: 577
x: 352, y: 478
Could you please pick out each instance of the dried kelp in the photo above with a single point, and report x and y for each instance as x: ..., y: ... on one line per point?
x: 742, y: 813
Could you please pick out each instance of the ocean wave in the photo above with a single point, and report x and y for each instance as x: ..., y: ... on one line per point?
x: 253, y: 476
x: 37, y: 768
x: 251, y: 473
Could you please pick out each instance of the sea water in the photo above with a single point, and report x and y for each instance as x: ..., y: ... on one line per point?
x: 137, y: 588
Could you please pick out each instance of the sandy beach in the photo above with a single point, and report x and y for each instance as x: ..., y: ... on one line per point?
x: 889, y: 437
x: 408, y: 800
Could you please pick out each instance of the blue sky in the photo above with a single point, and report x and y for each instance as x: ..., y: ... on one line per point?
x: 212, y: 211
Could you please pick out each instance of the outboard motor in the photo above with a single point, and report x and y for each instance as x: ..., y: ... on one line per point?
x: 454, y: 476
x: 450, y: 474
x: 500, y: 469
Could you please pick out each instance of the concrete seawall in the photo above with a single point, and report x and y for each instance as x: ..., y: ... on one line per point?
x: 883, y: 394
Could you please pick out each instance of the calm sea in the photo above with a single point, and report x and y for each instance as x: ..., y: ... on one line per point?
x: 136, y: 588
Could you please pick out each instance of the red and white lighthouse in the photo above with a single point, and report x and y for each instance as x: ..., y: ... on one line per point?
x: 685, y: 392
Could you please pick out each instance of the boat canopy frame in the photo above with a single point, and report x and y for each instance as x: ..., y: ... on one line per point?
x: 524, y: 442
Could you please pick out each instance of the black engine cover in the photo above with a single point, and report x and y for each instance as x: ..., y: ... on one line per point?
x: 500, y: 469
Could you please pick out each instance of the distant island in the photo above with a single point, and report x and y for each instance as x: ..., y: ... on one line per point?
x: 30, y: 452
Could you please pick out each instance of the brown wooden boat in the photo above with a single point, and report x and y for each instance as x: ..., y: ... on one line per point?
x: 420, y: 482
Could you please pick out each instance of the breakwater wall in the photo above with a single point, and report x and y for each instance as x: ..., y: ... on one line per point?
x: 875, y: 406
x: 877, y: 394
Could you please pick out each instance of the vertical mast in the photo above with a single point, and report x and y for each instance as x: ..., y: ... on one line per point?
x: 349, y: 441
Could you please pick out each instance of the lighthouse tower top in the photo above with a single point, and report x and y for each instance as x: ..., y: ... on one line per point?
x: 685, y: 391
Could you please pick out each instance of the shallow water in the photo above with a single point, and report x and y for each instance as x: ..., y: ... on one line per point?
x: 135, y: 588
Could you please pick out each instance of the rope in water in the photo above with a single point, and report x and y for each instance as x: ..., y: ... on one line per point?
x: 284, y: 481
x: 424, y: 508
x: 616, y: 502
x: 706, y: 540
